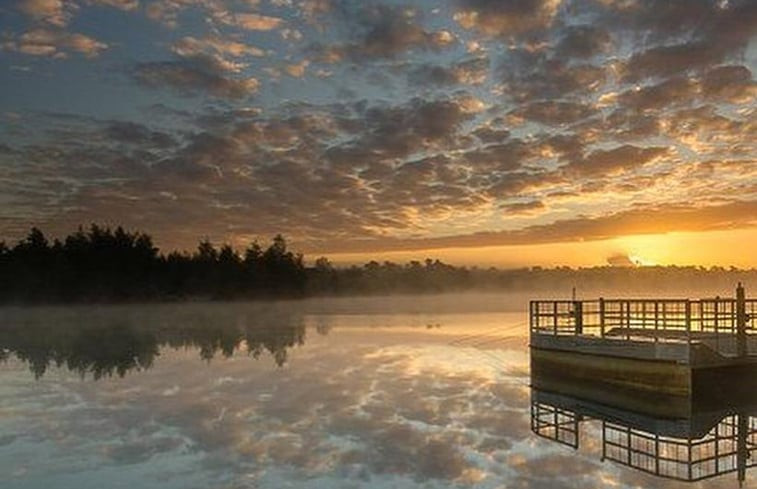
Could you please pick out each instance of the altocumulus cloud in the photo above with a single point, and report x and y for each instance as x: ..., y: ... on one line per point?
x: 401, y: 125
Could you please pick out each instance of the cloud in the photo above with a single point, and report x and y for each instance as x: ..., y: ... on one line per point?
x: 313, y: 9
x: 677, y: 90
x: 367, y: 173
x: 53, y: 12
x: 529, y: 76
x: 508, y: 155
x: 224, y: 52
x: 127, y: 5
x: 620, y: 260
x: 668, y: 60
x: 429, y: 120
x: 473, y: 71
x: 523, y: 207
x: 297, y: 70
x: 383, y: 31
x: 495, y: 18
x: 583, y: 41
x: 729, y: 83
x: 189, y: 46
x: 690, y: 36
x: 196, y: 75
x: 251, y: 21
x: 137, y: 135
x: 53, y: 43
x: 620, y: 159
x: 705, y: 123
x: 733, y: 83
x: 554, y: 112
x: 59, y: 13
x: 342, y: 158
x: 217, y: 13
x: 649, y: 220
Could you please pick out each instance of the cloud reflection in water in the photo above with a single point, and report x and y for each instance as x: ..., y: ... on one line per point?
x: 377, y: 402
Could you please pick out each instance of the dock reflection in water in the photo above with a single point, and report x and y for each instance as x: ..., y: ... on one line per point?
x: 717, y: 437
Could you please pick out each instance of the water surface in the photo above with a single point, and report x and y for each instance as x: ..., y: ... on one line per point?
x: 255, y: 396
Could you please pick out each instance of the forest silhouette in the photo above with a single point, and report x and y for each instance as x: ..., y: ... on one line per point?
x: 102, y: 264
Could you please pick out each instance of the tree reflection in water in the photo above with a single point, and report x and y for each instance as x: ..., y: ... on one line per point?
x: 104, y: 345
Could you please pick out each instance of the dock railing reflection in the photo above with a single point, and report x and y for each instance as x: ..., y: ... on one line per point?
x: 731, y: 446
x: 554, y: 423
x: 724, y: 324
x: 728, y: 447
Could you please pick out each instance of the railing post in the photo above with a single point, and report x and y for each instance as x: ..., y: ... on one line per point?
x: 554, y: 317
x: 716, y: 324
x: 578, y: 315
x: 601, y: 317
x: 530, y: 319
x: 741, y: 321
x: 656, y: 320
x: 688, y: 321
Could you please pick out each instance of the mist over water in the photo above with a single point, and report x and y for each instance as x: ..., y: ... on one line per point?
x: 429, y: 391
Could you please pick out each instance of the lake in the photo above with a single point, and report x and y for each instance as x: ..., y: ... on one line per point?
x: 429, y: 393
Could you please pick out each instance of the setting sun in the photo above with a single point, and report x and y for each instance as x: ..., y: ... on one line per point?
x: 640, y: 261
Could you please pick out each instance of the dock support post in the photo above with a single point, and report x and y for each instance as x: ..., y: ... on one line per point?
x: 741, y: 345
x: 601, y: 317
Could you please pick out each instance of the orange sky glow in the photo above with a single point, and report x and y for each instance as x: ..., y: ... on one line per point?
x: 714, y: 248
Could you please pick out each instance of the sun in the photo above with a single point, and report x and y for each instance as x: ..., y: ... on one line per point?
x: 647, y: 250
x: 640, y: 261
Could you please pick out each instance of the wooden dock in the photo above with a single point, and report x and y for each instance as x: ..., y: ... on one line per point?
x: 661, y: 347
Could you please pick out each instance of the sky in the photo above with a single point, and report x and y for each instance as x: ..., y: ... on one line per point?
x: 524, y: 132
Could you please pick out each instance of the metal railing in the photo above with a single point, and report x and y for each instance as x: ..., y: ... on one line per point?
x: 725, y: 324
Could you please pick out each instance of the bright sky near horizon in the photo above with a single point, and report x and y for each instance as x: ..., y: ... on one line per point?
x: 484, y: 132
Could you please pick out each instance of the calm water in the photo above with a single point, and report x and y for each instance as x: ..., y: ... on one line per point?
x: 245, y: 396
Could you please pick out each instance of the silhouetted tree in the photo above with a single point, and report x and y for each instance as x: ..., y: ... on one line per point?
x: 283, y: 271
x: 253, y: 266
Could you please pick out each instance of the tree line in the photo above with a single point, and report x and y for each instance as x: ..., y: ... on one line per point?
x: 105, y: 264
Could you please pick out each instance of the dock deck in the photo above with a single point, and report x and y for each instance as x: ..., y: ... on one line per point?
x: 652, y: 345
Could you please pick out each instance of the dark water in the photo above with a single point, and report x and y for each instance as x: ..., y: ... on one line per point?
x: 244, y: 396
